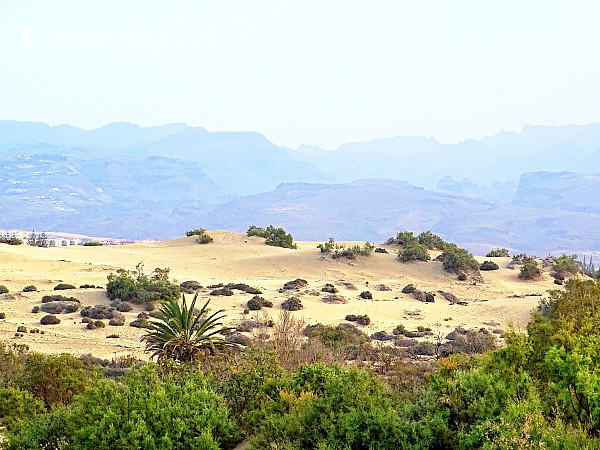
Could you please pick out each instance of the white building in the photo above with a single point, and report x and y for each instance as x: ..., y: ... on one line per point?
x: 14, y: 234
x: 64, y: 242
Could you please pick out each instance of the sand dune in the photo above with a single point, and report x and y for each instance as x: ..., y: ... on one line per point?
x: 234, y: 257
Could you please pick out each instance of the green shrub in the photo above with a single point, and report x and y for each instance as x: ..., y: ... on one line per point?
x: 92, y: 244
x: 10, y: 241
x: 21, y: 329
x: 292, y: 304
x: 254, y: 304
x: 456, y: 259
x: 3, y: 289
x: 138, y: 288
x: 2, y: 315
x: 18, y: 404
x: 203, y: 237
x: 273, y: 236
x: 530, y: 270
x: 63, y: 287
x: 497, y: 253
x: 327, y: 247
x: 432, y: 241
x: 413, y: 251
x: 143, y: 411
x: 50, y: 320
x: 30, y: 288
x: 353, y: 252
x: 566, y: 265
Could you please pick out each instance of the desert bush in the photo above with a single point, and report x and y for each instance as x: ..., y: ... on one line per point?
x: 273, y: 236
x: 254, y: 304
x: 363, y: 319
x: 353, y: 252
x: 382, y: 336
x: 3, y: 289
x: 60, y: 307
x: 87, y: 286
x: 298, y: 283
x: 350, y: 318
x: 366, y: 295
x: 530, y: 270
x: 409, y: 289
x: 123, y: 307
x: 497, y: 253
x: 566, y: 265
x: 95, y: 324
x: 431, y: 241
x: 413, y: 251
x: 458, y: 259
x: 244, y: 287
x: 50, y: 320
x: 2, y: 315
x: 35, y: 309
x: 92, y: 244
x: 21, y: 329
x: 330, y: 288
x: 190, y: 287
x: 58, y: 298
x: 29, y: 288
x: 489, y: 265
x: 10, y: 241
x: 116, y: 322
x: 334, y: 299
x: 328, y: 246
x: 139, y: 288
x: 98, y: 312
x: 63, y: 287
x: 202, y: 236
x: 139, y: 323
x: 222, y: 291
x: 292, y: 304
x: 238, y: 338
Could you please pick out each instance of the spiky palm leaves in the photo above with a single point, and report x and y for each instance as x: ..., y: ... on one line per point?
x: 181, y: 332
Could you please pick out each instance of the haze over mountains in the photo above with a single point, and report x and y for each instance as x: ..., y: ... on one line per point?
x: 531, y: 191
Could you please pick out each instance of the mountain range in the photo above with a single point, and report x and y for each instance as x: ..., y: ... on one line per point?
x: 532, y: 191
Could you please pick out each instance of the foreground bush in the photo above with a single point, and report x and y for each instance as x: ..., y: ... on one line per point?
x: 144, y: 411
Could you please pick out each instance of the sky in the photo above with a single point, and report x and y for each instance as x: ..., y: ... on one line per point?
x: 303, y: 72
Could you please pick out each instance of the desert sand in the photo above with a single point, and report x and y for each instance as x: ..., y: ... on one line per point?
x: 234, y: 257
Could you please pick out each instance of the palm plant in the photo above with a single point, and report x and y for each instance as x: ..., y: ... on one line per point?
x: 181, y: 332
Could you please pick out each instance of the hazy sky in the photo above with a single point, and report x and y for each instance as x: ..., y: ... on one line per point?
x: 314, y: 72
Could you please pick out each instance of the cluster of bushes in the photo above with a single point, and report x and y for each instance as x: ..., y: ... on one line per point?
x: 412, y: 249
x: 296, y: 284
x: 432, y: 241
x: 361, y: 319
x: 498, y: 253
x: 273, y: 236
x: 341, y: 251
x: 10, y: 241
x: 540, y: 390
x: 237, y: 286
x: 566, y: 265
x: 202, y: 236
x: 139, y: 288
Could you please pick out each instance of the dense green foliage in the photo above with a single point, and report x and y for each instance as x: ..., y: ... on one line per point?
x: 432, y: 241
x: 3, y: 289
x: 273, y: 236
x: 412, y: 248
x: 458, y: 259
x: 92, y: 244
x: 566, y: 265
x: 139, y: 288
x: 497, y: 253
x: 144, y: 411
x: 541, y: 390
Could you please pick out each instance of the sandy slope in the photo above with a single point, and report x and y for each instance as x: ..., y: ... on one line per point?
x: 233, y: 257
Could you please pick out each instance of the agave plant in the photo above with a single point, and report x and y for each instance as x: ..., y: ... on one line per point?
x: 180, y: 332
